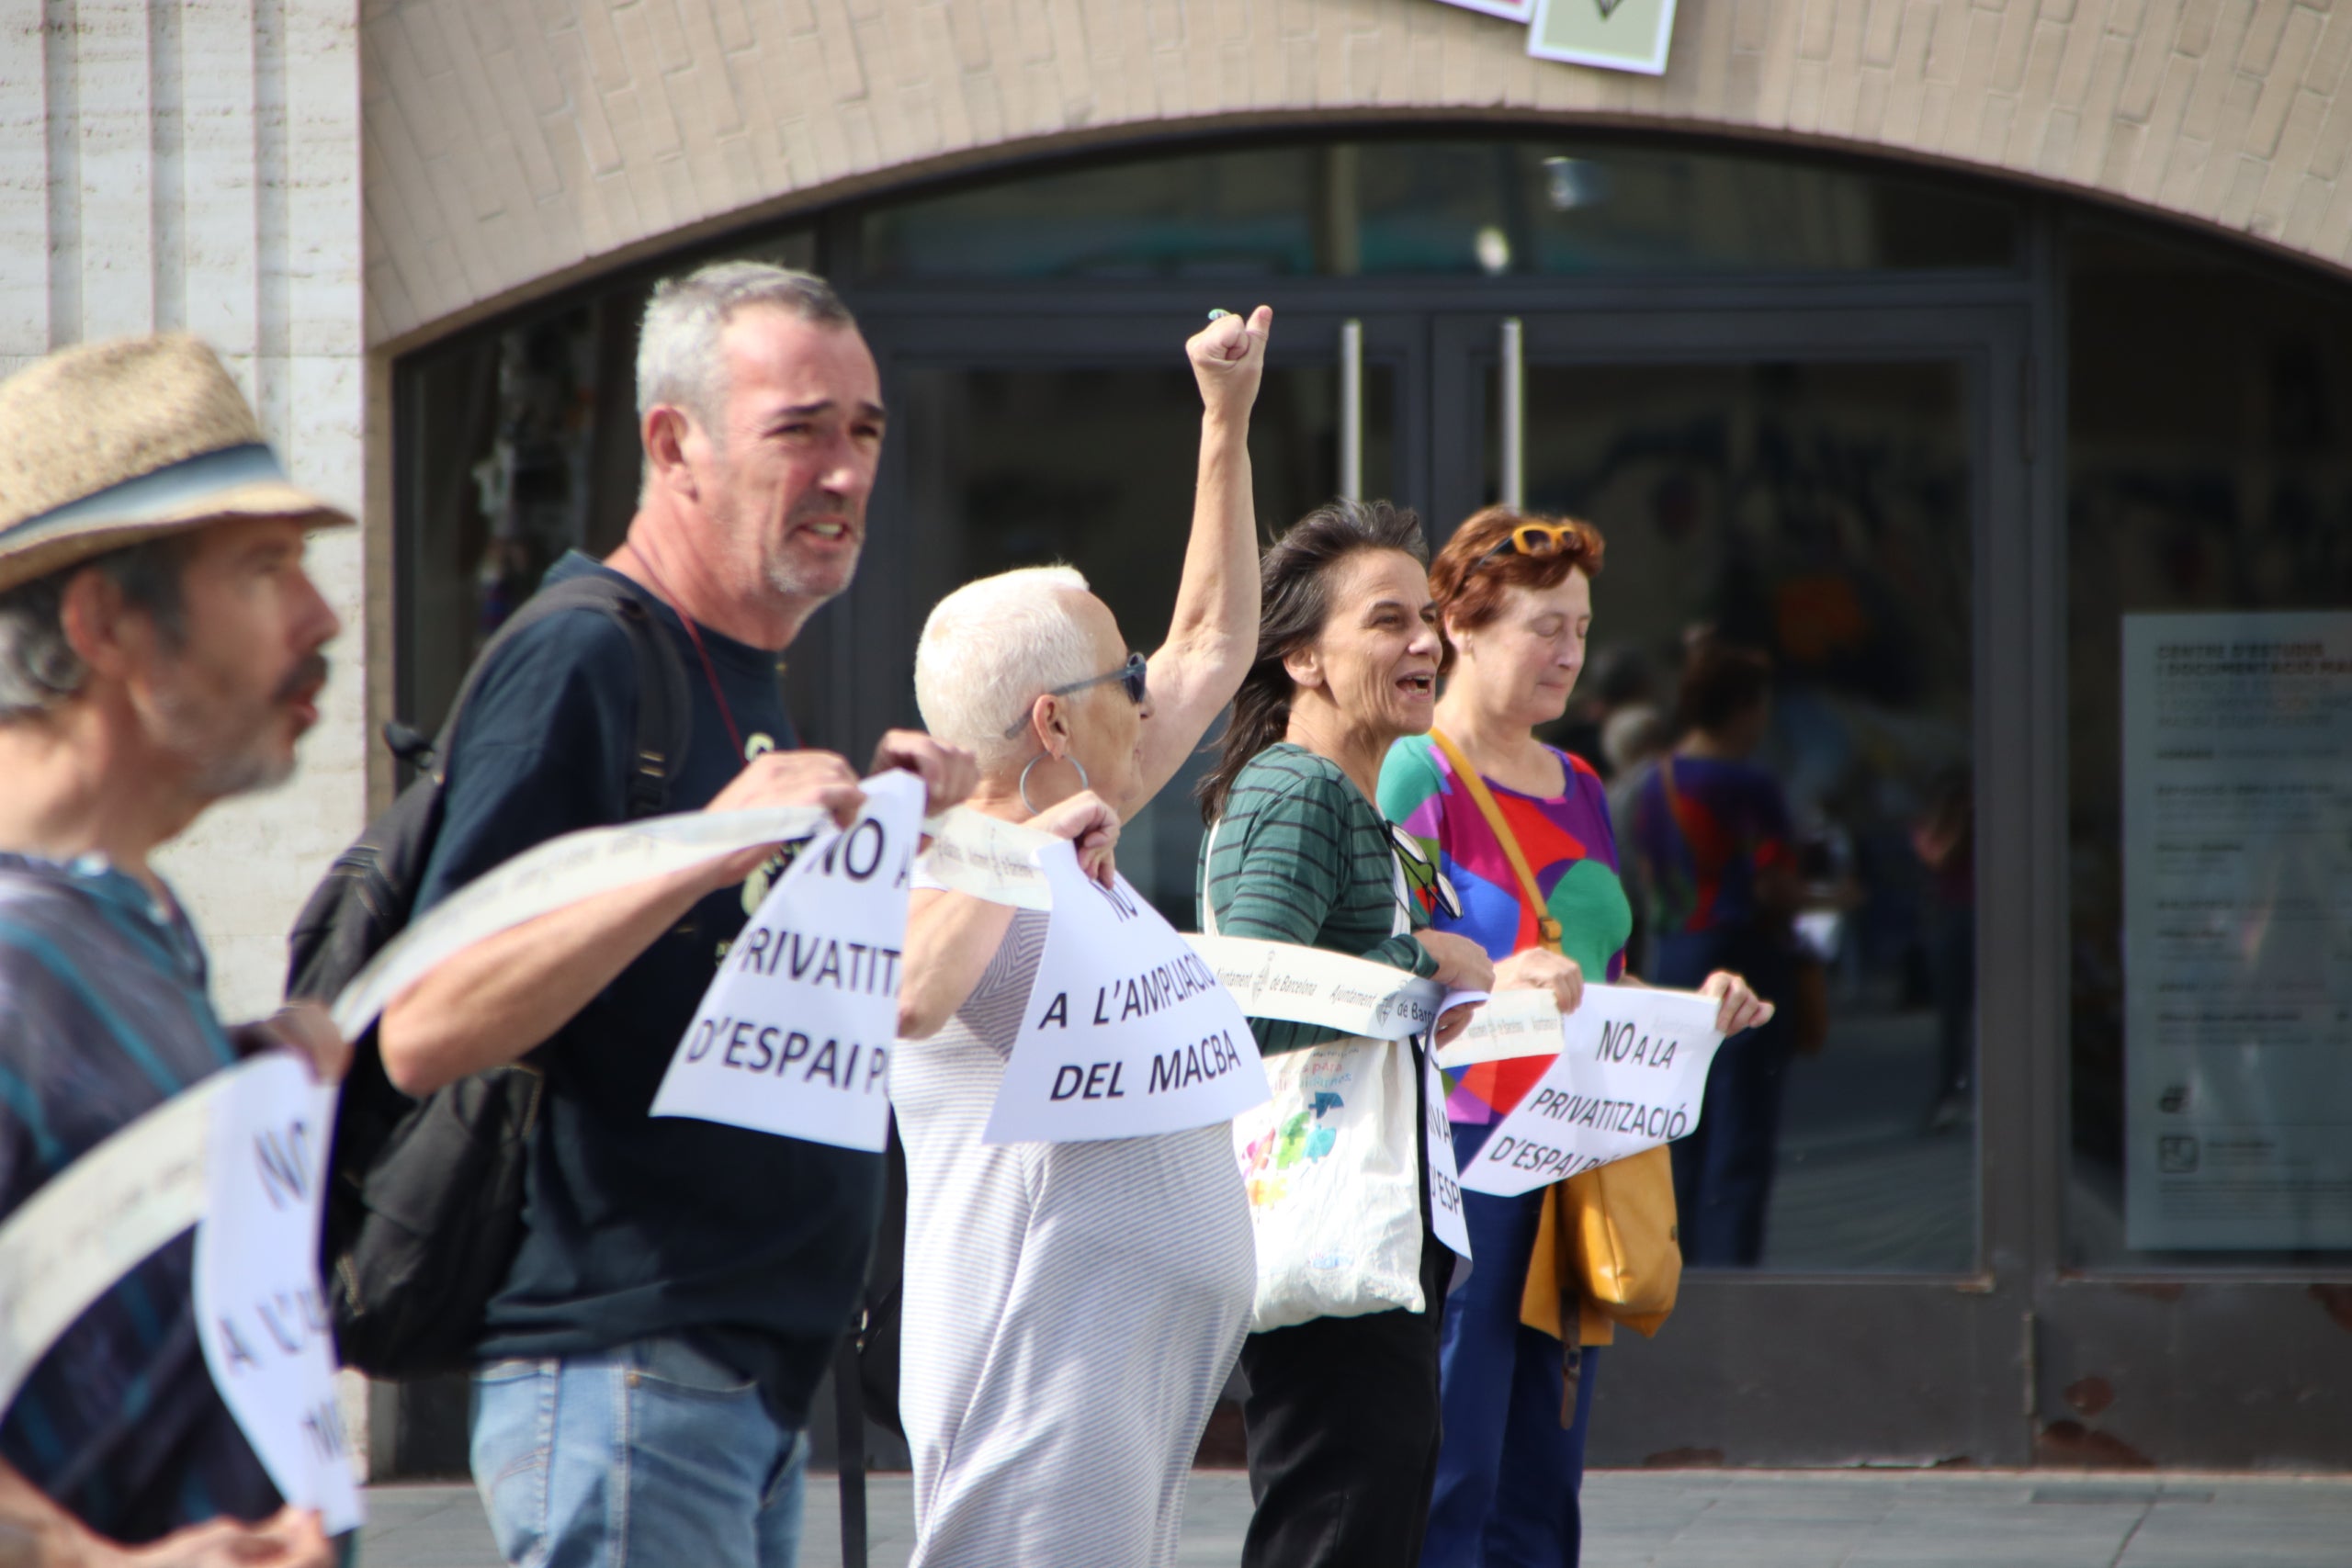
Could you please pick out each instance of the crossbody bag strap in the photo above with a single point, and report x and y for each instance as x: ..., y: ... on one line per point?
x: 1485, y: 798
x: 1209, y: 866
x: 1674, y: 809
x: 658, y: 748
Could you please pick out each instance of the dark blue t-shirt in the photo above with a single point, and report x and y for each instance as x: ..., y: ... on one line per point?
x: 754, y: 1246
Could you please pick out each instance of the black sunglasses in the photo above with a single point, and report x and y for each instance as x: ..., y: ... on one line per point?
x: 1421, y: 874
x: 1130, y: 675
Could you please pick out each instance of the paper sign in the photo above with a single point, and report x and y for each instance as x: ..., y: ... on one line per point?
x: 1445, y: 1185
x: 260, y: 1312
x: 793, y: 1037
x: 1127, y: 1032
x: 1630, y: 1076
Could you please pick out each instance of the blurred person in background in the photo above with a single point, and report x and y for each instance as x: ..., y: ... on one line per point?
x: 1711, y: 828
x: 1631, y: 743
x: 1620, y: 678
x: 1944, y: 837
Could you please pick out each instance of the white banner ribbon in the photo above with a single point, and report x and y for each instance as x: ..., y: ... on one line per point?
x: 1309, y: 985
x: 988, y: 858
x: 548, y: 876
x: 96, y: 1221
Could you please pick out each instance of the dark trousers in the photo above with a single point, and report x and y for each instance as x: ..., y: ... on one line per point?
x: 1951, y: 972
x: 1342, y: 1420
x: 1509, y: 1472
x: 1723, y: 1171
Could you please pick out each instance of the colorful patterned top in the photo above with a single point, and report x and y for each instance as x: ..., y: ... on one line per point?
x: 1573, y: 853
x: 1702, y: 861
x: 104, y: 1016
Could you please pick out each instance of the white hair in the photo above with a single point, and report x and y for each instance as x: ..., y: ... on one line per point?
x: 991, y: 648
x: 678, y: 359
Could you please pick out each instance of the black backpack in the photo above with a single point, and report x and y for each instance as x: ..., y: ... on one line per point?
x: 424, y: 1197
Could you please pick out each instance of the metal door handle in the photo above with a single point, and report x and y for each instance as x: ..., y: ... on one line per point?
x: 1514, y: 412
x: 1351, y: 410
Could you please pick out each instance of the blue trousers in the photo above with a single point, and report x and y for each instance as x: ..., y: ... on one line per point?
x: 652, y: 1453
x: 1508, y: 1473
x: 1723, y: 1171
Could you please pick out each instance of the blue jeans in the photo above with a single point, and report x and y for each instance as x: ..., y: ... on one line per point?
x: 1508, y: 1473
x: 651, y: 1454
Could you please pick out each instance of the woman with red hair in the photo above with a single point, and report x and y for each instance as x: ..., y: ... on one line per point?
x: 1515, y: 597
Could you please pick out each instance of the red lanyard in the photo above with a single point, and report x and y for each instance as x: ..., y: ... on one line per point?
x: 694, y: 635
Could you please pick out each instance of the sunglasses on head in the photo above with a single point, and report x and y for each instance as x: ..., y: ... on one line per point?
x: 1537, y: 539
x: 1129, y: 675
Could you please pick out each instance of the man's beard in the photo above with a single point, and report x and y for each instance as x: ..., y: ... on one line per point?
x: 232, y: 745
x: 795, y: 580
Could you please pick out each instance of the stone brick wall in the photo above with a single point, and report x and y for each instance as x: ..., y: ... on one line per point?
x: 510, y: 143
x: 169, y: 163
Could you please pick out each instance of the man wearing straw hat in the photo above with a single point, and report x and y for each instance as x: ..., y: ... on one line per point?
x: 159, y: 652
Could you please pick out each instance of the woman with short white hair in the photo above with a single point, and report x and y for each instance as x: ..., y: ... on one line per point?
x: 1071, y: 1310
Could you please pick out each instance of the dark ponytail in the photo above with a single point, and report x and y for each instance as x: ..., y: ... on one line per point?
x: 1293, y: 603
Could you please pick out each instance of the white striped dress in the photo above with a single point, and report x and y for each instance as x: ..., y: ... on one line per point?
x: 1071, y: 1309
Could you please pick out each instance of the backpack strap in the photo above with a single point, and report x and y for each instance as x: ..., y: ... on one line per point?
x: 662, y: 710
x: 1493, y: 813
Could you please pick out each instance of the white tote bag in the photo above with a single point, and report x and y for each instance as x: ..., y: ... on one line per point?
x: 1334, y: 1175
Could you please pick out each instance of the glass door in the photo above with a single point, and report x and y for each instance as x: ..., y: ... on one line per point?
x: 1027, y: 439
x: 1824, y: 487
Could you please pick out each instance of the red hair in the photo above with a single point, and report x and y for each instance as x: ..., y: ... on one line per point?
x: 1469, y: 587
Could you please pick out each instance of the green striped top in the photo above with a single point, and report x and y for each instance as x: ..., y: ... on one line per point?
x: 1301, y: 856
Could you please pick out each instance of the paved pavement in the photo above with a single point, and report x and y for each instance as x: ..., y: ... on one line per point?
x: 1690, y: 1518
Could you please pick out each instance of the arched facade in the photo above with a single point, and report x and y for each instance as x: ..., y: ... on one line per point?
x: 2013, y: 452
x: 516, y: 144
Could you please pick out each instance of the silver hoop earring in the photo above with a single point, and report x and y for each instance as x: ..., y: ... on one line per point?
x: 1047, y: 756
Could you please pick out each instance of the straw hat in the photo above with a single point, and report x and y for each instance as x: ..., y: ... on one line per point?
x: 110, y: 443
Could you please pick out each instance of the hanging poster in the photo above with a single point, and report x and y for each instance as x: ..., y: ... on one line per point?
x: 2237, y: 922
x: 1615, y: 35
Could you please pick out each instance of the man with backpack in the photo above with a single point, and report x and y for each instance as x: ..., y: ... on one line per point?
x: 159, y: 652
x: 643, y: 1378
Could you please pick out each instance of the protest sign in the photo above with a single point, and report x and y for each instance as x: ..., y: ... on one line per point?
x: 1444, y: 1178
x: 793, y: 1037
x: 1127, y: 1031
x: 1630, y: 1076
x: 261, y: 1315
